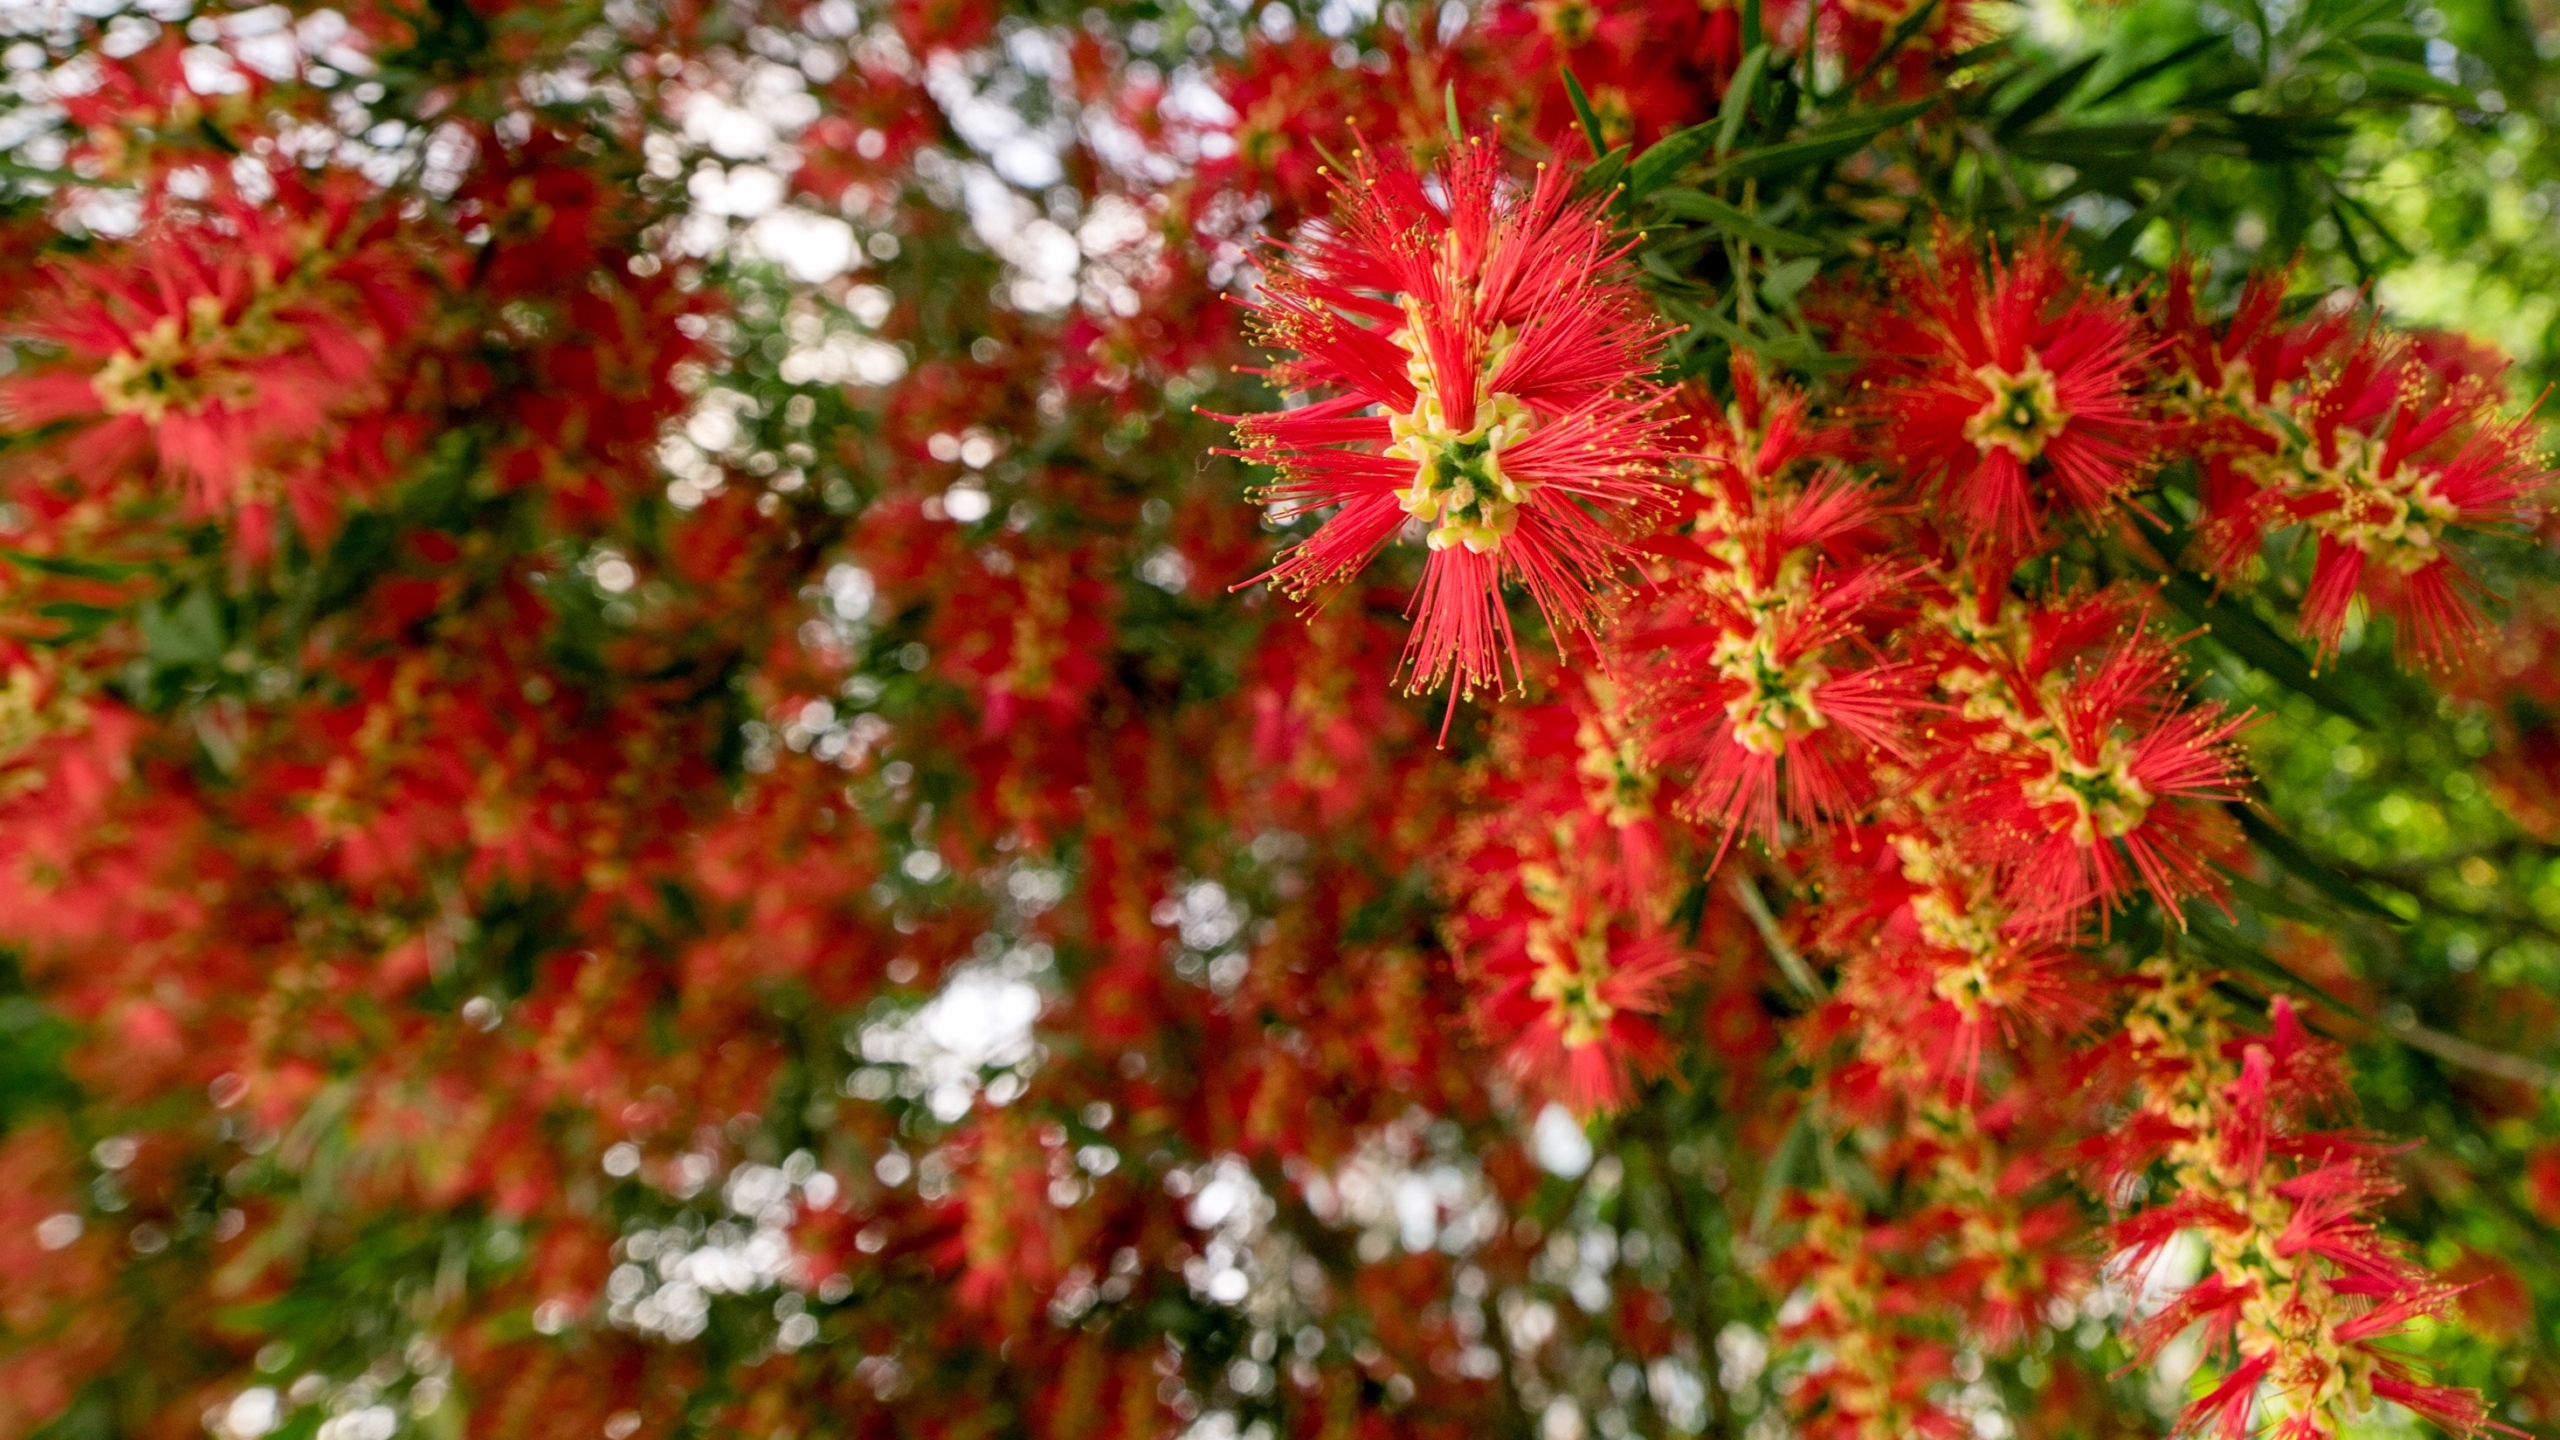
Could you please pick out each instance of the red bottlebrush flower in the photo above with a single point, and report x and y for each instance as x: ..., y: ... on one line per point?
x: 2092, y: 776
x: 1574, y: 1008
x: 1861, y: 29
x: 2224, y: 1410
x: 1570, y: 982
x: 1561, y: 901
x: 1940, y: 978
x: 1763, y: 675
x: 2451, y: 1408
x: 2398, y: 452
x: 2299, y: 1284
x: 2378, y: 445
x: 1773, y: 732
x: 2249, y: 354
x: 245, y: 359
x: 2010, y: 388
x: 1487, y: 359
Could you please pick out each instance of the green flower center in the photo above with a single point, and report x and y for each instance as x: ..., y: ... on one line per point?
x: 1775, y: 704
x: 1460, y: 488
x: 2395, y: 519
x: 2108, y: 800
x: 2023, y: 414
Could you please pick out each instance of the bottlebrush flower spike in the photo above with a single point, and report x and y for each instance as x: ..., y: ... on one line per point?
x: 1561, y: 889
x: 1484, y: 361
x: 2380, y: 445
x: 2009, y: 387
x: 1573, y: 989
x: 2401, y: 449
x: 2299, y: 1285
x: 1764, y: 676
x: 1938, y: 972
x: 2089, y: 774
x: 235, y: 356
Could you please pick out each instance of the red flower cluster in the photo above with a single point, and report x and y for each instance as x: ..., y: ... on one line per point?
x: 2298, y: 1287
x: 2011, y: 388
x: 599, y: 836
x: 1481, y: 360
x: 1962, y: 760
x: 2374, y: 447
x: 258, y: 353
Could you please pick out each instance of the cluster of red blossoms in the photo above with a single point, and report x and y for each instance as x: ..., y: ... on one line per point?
x: 1861, y: 629
x: 599, y: 836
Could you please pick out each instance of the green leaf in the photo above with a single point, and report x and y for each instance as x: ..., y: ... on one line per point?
x: 1449, y: 98
x: 1605, y: 173
x: 75, y: 568
x: 2230, y: 948
x: 2238, y: 629
x: 1830, y: 143
x: 1700, y: 318
x: 2150, y: 68
x: 2077, y: 144
x: 79, y: 621
x: 1773, y: 1181
x: 1784, y: 282
x: 2047, y: 97
x: 2350, y: 205
x: 2306, y: 867
x: 1696, y: 205
x: 1667, y: 156
x: 2416, y: 82
x: 1590, y: 118
x: 2114, y: 250
x: 1737, y: 97
x: 185, y: 635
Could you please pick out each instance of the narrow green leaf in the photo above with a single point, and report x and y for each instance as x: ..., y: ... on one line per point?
x: 2347, y: 242
x: 79, y: 621
x: 213, y: 135
x: 1723, y: 329
x: 1605, y: 173
x: 1449, y: 98
x: 77, y: 569
x: 2237, y: 629
x: 2150, y: 68
x: 1784, y: 282
x: 1737, y: 97
x: 1668, y: 155
x: 2266, y: 900
x: 1829, y: 143
x: 1590, y: 118
x: 1697, y: 205
x: 1978, y: 54
x: 2416, y: 82
x: 2114, y: 250
x: 2047, y: 97
x: 75, y: 611
x: 2372, y: 222
x: 1661, y: 269
x: 2306, y: 867
x: 1690, y: 915
x: 2080, y: 144
x: 2231, y: 949
x: 1773, y: 1181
